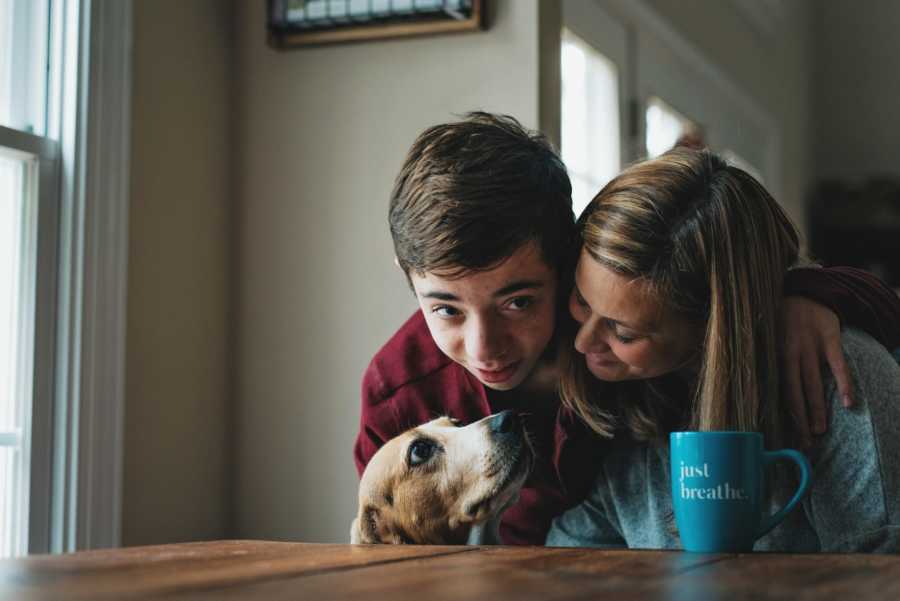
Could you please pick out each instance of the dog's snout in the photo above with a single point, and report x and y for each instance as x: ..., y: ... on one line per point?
x: 505, y: 422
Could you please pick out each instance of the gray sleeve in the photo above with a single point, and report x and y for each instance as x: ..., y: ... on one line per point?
x: 586, y: 525
x: 854, y: 501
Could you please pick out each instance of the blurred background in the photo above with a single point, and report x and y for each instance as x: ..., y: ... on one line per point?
x: 260, y: 274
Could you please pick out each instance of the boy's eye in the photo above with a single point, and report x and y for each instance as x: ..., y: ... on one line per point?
x: 520, y: 302
x: 445, y: 311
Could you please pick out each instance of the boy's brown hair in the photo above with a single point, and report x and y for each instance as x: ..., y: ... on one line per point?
x: 471, y: 193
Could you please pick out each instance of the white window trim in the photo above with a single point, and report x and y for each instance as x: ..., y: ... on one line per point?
x: 77, y: 487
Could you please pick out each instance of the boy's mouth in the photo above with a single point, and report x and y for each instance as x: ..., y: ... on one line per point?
x: 496, y: 376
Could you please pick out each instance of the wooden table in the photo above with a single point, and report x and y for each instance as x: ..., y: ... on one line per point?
x: 272, y: 570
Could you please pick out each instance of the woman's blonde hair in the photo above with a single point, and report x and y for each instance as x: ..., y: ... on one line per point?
x: 711, y: 245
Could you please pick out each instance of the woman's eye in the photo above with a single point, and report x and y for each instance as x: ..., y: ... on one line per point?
x: 578, y: 298
x: 623, y: 338
x: 420, y: 451
x: 445, y: 311
x: 579, y: 310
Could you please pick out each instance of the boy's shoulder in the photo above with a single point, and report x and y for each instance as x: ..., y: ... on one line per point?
x: 410, y: 356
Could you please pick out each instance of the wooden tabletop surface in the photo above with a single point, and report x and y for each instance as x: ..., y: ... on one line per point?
x: 274, y: 570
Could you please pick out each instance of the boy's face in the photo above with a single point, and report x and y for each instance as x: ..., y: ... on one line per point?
x: 495, y: 323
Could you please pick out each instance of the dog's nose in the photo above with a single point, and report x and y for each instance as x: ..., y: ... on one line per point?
x: 504, y: 422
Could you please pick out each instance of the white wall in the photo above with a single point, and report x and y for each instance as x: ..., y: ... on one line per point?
x: 857, y: 85
x: 321, y: 132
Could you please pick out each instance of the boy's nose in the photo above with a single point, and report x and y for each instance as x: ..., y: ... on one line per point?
x: 486, y: 342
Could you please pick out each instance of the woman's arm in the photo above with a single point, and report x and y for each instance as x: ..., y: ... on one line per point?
x: 855, y: 499
x: 817, y: 302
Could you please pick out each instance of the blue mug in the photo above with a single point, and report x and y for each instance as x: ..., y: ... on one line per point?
x: 719, y: 491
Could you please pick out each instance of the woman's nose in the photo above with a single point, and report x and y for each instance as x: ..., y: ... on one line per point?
x: 589, y: 338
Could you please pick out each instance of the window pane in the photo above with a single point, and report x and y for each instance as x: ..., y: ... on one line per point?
x: 590, y: 118
x: 17, y: 255
x: 23, y: 64
x: 665, y: 126
x: 12, y: 518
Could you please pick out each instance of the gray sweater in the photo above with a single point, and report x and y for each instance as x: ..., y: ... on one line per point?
x: 853, y: 503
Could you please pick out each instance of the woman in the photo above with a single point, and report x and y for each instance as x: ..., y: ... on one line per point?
x: 677, y: 294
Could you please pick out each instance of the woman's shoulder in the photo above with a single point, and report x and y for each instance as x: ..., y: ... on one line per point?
x: 855, y: 496
x: 868, y: 360
x: 875, y: 415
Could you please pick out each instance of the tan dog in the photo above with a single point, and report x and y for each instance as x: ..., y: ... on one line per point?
x: 443, y: 484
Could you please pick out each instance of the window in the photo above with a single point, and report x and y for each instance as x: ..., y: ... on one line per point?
x: 23, y: 64
x: 590, y: 119
x: 62, y: 218
x: 23, y: 69
x: 664, y: 127
x: 16, y: 288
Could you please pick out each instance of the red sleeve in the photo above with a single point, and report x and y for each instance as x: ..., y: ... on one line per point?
x: 366, y: 445
x: 528, y: 521
x: 377, y: 422
x: 859, y: 298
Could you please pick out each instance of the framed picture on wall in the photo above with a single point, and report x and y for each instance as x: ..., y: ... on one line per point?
x: 298, y: 23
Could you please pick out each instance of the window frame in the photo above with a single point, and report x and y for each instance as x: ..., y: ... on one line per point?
x: 46, y: 153
x: 79, y: 348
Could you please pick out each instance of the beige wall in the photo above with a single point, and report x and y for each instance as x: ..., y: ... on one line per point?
x: 857, y: 88
x: 259, y: 240
x: 176, y: 467
x: 321, y: 133
x: 775, y: 70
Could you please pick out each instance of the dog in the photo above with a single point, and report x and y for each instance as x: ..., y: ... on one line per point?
x: 444, y: 484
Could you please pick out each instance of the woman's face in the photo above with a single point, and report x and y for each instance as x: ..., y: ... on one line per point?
x: 625, y: 333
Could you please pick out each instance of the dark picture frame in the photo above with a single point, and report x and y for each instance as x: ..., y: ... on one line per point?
x: 302, y: 23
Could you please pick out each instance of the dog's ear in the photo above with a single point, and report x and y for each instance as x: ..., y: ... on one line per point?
x: 355, y: 534
x: 364, y: 529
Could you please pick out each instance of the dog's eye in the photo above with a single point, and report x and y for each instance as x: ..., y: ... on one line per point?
x: 455, y: 421
x: 420, y: 451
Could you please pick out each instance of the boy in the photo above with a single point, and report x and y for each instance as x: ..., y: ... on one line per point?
x: 482, y: 222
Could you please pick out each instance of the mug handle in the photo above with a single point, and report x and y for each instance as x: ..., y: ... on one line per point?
x: 802, y: 462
